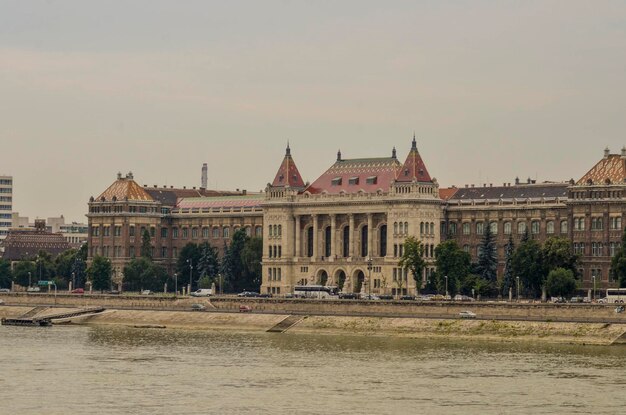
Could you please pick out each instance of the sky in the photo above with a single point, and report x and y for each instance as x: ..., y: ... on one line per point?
x: 492, y: 90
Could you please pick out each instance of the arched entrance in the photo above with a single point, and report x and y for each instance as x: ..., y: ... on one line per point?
x: 322, y: 277
x: 359, y: 280
x: 340, y: 278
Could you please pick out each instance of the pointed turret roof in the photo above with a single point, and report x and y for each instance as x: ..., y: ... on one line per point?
x: 288, y: 174
x: 414, y: 168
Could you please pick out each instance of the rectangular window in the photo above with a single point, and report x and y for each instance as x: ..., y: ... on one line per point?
x: 185, y: 233
x: 353, y: 180
x: 479, y: 228
x: 131, y: 231
x: 466, y: 228
x: 163, y: 252
x: 152, y: 231
x: 175, y: 233
x: 106, y: 231
x: 336, y: 181
x: 163, y: 232
x: 371, y: 180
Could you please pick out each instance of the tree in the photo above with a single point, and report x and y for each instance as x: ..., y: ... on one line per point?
x: 527, y: 264
x: 46, y: 270
x: 561, y: 282
x: 487, y: 266
x: 187, y: 264
x: 6, y: 275
x: 452, y: 262
x: 143, y: 274
x: 146, y: 245
x: 251, y: 256
x: 64, y: 263
x: 100, y: 273
x: 618, y: 263
x: 412, y: 260
x: 24, y: 272
x: 508, y: 278
x: 557, y: 253
x: 208, y: 264
x: 234, y: 268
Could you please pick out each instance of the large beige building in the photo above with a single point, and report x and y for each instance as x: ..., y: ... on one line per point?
x: 348, y: 227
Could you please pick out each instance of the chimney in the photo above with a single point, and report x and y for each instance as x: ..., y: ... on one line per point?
x: 194, y: 188
x: 184, y: 187
x: 205, y: 176
x: 244, y: 191
x: 624, y: 152
x: 516, y: 180
x: 472, y: 185
x: 119, y: 175
x: 155, y: 186
x: 606, y: 153
x: 466, y: 186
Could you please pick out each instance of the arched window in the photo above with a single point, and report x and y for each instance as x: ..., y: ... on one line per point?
x: 194, y: 233
x: 507, y: 228
x: 479, y: 228
x: 327, y: 241
x: 406, y: 228
x: 395, y: 228
x: 346, y: 241
x: 382, y: 235
x: 185, y: 233
x: 280, y: 230
x: 563, y: 226
x: 226, y: 232
x: 534, y: 227
x: 248, y: 231
x: 258, y: 231
x: 309, y: 242
x: 432, y: 228
x: 466, y: 248
x: 493, y: 227
x: 466, y: 228
x: 550, y: 227
x: 421, y: 228
x: 216, y: 232
x: 521, y: 227
x: 364, y: 242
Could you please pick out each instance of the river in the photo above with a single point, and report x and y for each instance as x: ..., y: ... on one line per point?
x: 117, y: 370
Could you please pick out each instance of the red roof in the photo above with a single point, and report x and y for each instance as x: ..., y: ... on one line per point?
x: 610, y: 169
x: 354, y: 175
x: 414, y: 168
x: 221, y: 202
x: 447, y: 193
x: 288, y: 174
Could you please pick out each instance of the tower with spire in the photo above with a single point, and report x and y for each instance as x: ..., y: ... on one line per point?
x: 287, y: 177
x: 413, y: 177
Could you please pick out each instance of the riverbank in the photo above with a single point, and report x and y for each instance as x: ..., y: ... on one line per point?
x: 485, y: 330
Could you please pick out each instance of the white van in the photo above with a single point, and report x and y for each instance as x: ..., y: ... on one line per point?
x: 202, y: 292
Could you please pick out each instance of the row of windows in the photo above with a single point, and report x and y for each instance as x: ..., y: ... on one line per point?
x: 5, y: 207
x: 507, y: 227
x: 5, y: 224
x: 216, y: 232
x: 6, y: 190
x: 275, y: 251
x: 401, y: 228
x: 400, y: 274
x: 427, y: 228
x: 120, y: 209
x: 6, y: 182
x: 276, y: 230
x: 6, y: 199
x: 274, y: 274
x: 5, y: 216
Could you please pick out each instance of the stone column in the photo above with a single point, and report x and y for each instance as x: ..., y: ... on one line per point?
x: 298, y: 241
x: 370, y: 234
x: 333, y: 236
x: 315, y: 237
x: 351, y: 233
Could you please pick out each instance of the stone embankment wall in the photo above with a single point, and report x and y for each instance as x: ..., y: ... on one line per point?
x: 442, y: 310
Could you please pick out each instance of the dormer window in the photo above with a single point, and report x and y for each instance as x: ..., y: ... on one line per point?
x: 336, y: 181
x: 353, y: 180
x: 406, y: 172
x: 371, y: 180
x: 421, y: 172
x: 281, y: 178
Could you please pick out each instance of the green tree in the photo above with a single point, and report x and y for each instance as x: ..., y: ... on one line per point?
x: 6, y: 275
x: 64, y: 263
x: 557, y: 253
x: 205, y: 282
x: 251, y: 256
x: 146, y: 245
x: 143, y: 274
x: 487, y: 266
x: 99, y: 273
x: 412, y: 259
x: 508, y: 278
x: 618, y: 263
x: 21, y: 273
x: 46, y: 269
x: 452, y: 262
x: 561, y: 282
x: 527, y: 264
x: 234, y: 269
x: 187, y: 264
x: 208, y: 264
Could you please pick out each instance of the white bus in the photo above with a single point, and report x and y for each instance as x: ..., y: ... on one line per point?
x: 315, y: 291
x: 615, y: 295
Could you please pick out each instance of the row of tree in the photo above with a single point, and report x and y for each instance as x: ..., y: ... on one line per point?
x: 537, y: 269
x: 68, y: 266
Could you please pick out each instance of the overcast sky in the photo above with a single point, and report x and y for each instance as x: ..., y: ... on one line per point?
x: 492, y: 89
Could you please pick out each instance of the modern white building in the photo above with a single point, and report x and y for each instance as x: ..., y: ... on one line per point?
x: 6, y: 205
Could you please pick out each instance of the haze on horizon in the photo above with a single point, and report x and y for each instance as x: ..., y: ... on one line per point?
x: 493, y: 90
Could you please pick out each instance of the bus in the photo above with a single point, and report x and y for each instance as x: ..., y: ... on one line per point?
x: 315, y: 291
x: 615, y: 295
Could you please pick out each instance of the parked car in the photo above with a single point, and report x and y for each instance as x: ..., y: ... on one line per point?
x: 407, y: 298
x: 370, y: 297
x: 385, y: 297
x: 4, y: 291
x: 602, y: 300
x: 577, y: 299
x: 467, y: 314
x: 202, y: 292
x: 113, y: 292
x: 78, y: 291
x: 438, y: 297
x: 198, y: 307
x: 348, y: 296
x: 248, y: 294
x: 33, y: 289
x: 460, y: 297
x: 265, y: 295
x: 245, y: 309
x: 557, y: 300
x: 146, y: 292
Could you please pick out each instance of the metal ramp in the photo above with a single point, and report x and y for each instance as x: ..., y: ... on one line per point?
x: 287, y: 323
x: 30, y: 319
x: 33, y: 312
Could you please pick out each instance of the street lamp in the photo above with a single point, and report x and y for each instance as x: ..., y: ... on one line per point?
x: 73, y: 280
x: 593, y: 278
x: 517, y: 278
x: 29, y: 279
x: 369, y: 278
x: 190, y: 262
x: 446, y: 277
x: 175, y: 284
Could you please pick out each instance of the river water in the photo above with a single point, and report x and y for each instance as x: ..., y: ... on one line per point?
x: 103, y: 370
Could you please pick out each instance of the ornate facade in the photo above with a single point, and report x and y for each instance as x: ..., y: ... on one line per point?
x: 348, y: 227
